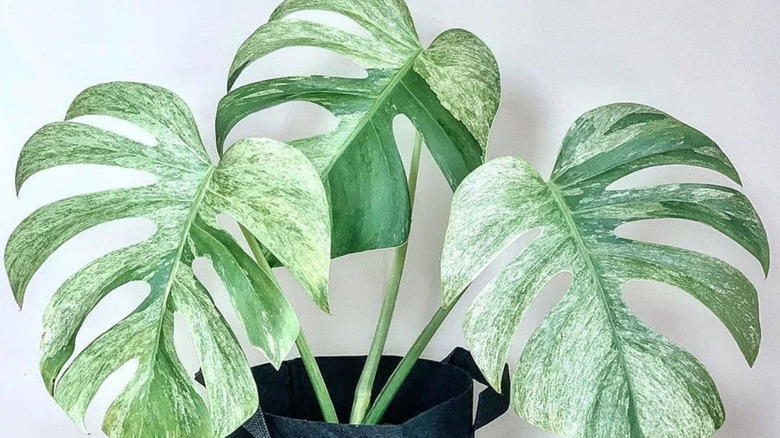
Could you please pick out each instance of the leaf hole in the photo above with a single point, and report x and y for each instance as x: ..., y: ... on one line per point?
x: 111, y: 388
x: 404, y: 133
x: 431, y: 184
x: 69, y: 180
x: 82, y: 249
x: 694, y: 236
x: 185, y: 347
x: 111, y: 310
x: 206, y: 273
x: 548, y: 297
x: 504, y: 257
x: 286, y: 122
x: 119, y: 127
x: 680, y: 317
x: 670, y: 174
x: 300, y: 61
x: 187, y: 352
x: 333, y: 19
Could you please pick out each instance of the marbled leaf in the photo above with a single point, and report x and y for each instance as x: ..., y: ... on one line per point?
x: 450, y: 91
x: 270, y: 188
x: 592, y: 369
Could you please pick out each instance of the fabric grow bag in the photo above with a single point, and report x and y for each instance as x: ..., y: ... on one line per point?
x: 435, y: 401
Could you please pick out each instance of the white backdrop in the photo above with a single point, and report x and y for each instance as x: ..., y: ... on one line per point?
x: 711, y: 63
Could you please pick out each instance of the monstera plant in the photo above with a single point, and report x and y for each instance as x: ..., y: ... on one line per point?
x: 450, y: 92
x: 592, y: 370
x: 267, y: 186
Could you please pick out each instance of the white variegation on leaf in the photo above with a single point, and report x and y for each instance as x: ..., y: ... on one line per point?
x: 272, y: 189
x: 450, y: 91
x: 592, y: 369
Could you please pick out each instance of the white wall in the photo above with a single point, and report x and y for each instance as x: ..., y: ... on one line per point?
x: 712, y: 63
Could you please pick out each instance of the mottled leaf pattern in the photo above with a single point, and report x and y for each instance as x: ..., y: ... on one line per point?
x: 592, y: 369
x: 270, y: 188
x: 450, y: 91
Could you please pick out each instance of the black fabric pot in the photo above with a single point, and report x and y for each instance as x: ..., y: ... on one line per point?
x: 435, y: 401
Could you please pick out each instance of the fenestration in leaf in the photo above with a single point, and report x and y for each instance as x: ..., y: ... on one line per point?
x: 450, y: 91
x: 269, y: 187
x: 592, y: 369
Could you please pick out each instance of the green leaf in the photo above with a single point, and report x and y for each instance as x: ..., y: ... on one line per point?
x: 450, y: 91
x: 270, y: 188
x: 592, y: 369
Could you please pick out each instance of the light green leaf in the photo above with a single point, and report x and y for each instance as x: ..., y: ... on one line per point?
x: 592, y: 369
x: 271, y: 188
x: 450, y: 91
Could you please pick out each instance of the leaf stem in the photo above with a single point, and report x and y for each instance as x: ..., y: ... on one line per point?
x: 403, y: 369
x: 365, y: 385
x: 317, y: 382
x: 309, y: 362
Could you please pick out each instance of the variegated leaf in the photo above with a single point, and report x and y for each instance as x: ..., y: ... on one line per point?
x: 592, y: 369
x: 270, y: 188
x: 450, y: 91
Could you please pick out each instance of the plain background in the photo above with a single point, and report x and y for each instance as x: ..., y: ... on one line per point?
x: 712, y: 64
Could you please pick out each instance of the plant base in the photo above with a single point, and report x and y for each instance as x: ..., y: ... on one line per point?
x: 435, y: 401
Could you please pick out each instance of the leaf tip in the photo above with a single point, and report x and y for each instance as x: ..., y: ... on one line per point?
x: 751, y: 354
x: 495, y: 381
x: 321, y: 296
x: 49, y: 384
x: 276, y: 363
x: 19, y: 177
x: 233, y: 76
x: 19, y: 298
x: 16, y: 289
x: 78, y: 420
x: 220, y: 144
x: 735, y: 177
x: 325, y: 306
x: 765, y: 265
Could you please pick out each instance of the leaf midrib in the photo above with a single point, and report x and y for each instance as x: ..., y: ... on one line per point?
x: 635, y: 428
x: 381, y: 98
x: 183, y: 238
